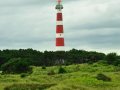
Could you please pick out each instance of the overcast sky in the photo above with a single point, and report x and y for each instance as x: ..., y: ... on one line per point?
x: 88, y: 24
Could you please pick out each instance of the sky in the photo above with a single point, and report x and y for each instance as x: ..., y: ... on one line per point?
x: 92, y: 25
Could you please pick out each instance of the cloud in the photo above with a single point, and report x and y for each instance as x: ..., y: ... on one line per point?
x: 17, y: 3
x: 94, y: 25
x: 88, y: 24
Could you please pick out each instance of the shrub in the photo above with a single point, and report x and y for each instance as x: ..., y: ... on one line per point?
x: 16, y: 65
x: 23, y: 75
x: 51, y: 72
x: 61, y: 70
x: 43, y: 67
x: 103, y: 77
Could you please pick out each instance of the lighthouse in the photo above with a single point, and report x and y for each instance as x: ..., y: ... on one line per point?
x: 59, y: 27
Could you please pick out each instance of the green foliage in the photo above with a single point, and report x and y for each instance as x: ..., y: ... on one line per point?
x: 16, y: 65
x: 117, y: 69
x: 113, y: 59
x: 43, y: 67
x: 51, y: 58
x: 77, y: 68
x: 61, y: 70
x: 51, y: 72
x: 2, y: 60
x: 103, y: 77
x: 23, y: 75
x: 83, y: 79
x: 28, y: 87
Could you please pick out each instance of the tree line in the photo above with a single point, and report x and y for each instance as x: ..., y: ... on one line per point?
x: 19, y: 60
x: 50, y: 58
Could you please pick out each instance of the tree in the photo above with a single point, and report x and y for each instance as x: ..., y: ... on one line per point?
x: 16, y: 65
x: 2, y: 60
x: 111, y: 58
x: 51, y: 58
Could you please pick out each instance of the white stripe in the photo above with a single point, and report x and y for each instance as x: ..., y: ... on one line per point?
x: 59, y: 11
x: 59, y: 35
x: 59, y: 23
x: 60, y: 48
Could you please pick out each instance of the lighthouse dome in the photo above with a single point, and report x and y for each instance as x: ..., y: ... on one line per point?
x: 59, y: 6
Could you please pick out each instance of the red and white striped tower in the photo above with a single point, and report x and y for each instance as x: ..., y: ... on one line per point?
x: 59, y: 27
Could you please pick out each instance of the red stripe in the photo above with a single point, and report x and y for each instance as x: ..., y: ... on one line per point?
x: 59, y: 16
x: 59, y: 29
x: 59, y: 41
x: 59, y: 0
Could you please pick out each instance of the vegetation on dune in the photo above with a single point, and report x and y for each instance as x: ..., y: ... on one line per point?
x: 103, y: 77
x: 83, y: 78
x: 16, y: 66
x: 61, y: 70
x: 28, y: 87
x: 28, y: 69
x: 113, y: 58
x: 50, y: 58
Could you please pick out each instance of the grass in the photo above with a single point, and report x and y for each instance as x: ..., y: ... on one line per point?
x: 77, y: 77
x: 28, y: 86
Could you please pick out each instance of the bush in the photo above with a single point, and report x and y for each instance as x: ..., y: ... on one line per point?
x: 23, y: 75
x: 16, y: 65
x: 103, y: 77
x: 51, y: 72
x: 43, y: 67
x: 61, y: 70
